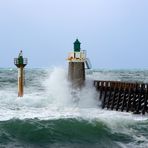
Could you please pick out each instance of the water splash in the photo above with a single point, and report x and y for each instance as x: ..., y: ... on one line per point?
x: 48, y: 96
x: 60, y: 92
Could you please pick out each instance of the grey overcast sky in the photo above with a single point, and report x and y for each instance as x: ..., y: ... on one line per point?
x: 114, y: 32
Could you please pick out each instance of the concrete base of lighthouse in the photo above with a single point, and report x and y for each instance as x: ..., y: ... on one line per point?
x: 76, y: 74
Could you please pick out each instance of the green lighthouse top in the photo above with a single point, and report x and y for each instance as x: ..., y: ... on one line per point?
x: 20, y: 61
x: 77, y: 47
x: 20, y: 57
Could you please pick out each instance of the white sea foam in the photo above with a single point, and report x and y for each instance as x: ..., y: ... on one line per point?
x: 58, y: 100
x: 51, y: 97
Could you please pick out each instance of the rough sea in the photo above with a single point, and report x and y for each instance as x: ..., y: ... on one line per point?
x: 53, y: 115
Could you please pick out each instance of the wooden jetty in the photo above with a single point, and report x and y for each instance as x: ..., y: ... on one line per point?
x: 123, y: 96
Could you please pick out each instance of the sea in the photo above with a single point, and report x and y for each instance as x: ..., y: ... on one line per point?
x: 51, y: 114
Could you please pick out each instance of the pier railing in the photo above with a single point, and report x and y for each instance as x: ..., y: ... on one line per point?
x: 16, y: 61
x: 77, y: 56
x: 20, y: 62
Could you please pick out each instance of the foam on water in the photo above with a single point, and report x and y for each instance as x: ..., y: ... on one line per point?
x: 57, y: 96
x: 58, y: 100
x: 54, y: 100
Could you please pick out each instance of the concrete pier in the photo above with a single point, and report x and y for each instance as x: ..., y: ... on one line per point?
x: 20, y: 62
x: 76, y: 73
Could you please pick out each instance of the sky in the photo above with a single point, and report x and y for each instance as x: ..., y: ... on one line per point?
x: 114, y: 32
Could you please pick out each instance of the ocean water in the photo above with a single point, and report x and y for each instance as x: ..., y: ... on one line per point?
x: 53, y: 115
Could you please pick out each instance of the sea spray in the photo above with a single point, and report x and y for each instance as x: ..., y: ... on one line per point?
x: 59, y: 89
x: 49, y: 115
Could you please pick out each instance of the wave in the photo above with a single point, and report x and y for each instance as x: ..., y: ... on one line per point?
x: 69, y: 133
x: 52, y: 114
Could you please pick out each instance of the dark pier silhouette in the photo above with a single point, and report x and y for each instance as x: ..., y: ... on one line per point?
x: 123, y: 96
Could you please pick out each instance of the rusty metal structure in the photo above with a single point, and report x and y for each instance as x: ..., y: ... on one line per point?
x: 20, y: 62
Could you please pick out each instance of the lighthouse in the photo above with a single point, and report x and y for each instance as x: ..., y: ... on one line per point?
x: 76, y: 68
x: 20, y: 62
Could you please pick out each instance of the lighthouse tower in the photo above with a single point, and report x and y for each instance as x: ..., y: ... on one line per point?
x: 20, y: 62
x: 76, y: 69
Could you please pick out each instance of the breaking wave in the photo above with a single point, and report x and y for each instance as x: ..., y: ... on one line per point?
x: 52, y: 114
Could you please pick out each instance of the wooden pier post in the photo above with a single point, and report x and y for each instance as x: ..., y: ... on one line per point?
x: 105, y: 94
x: 145, y: 99
x: 129, y: 98
x: 119, y: 97
x: 114, y: 96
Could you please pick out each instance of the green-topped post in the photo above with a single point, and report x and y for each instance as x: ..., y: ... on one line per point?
x: 20, y: 62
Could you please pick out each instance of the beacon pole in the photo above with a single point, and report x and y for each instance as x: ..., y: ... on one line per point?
x: 20, y: 63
